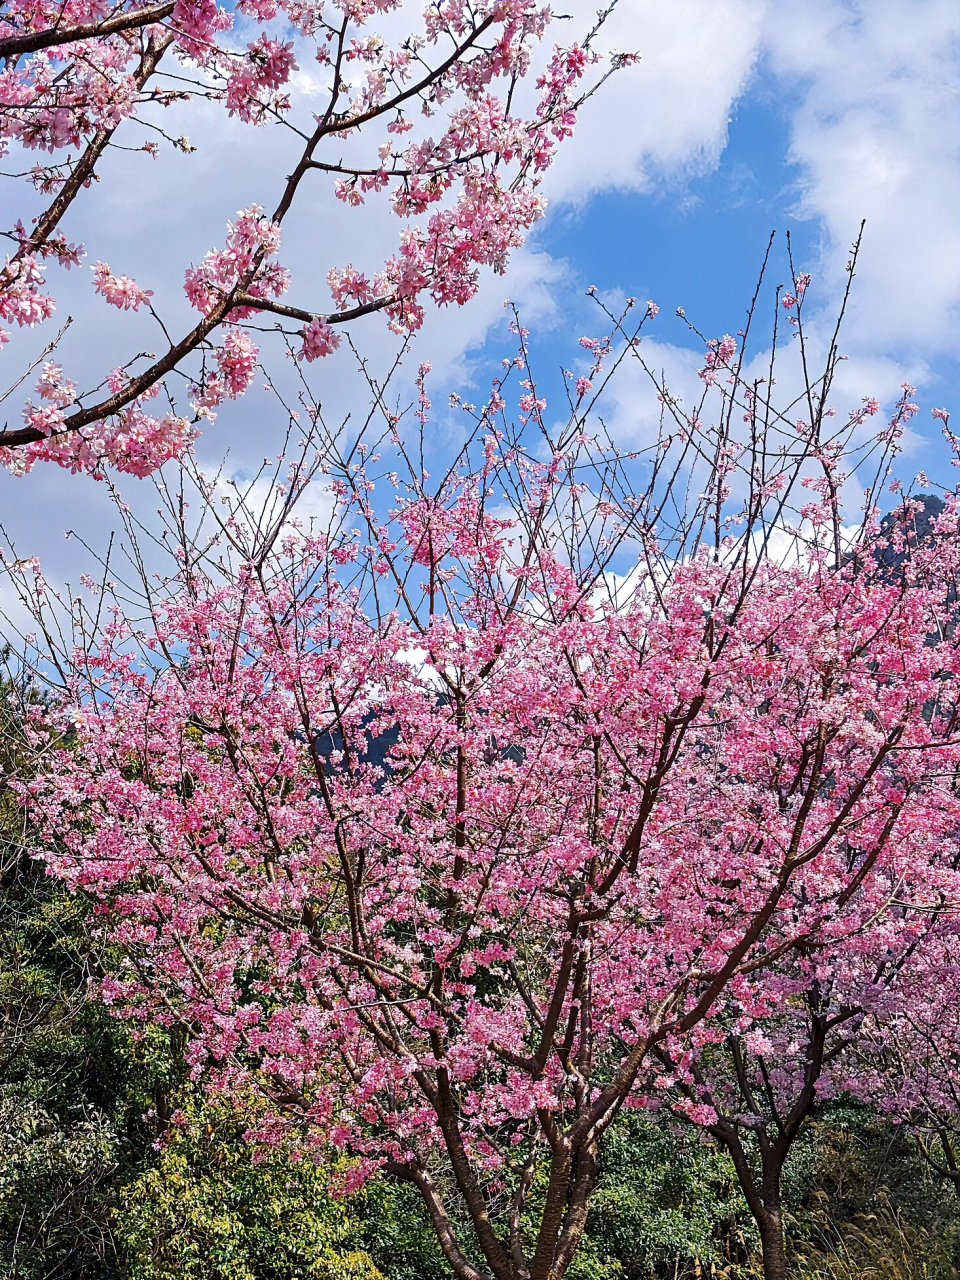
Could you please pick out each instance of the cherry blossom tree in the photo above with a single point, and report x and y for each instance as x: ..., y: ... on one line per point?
x: 866, y: 1012
x: 442, y: 818
x: 907, y: 1057
x: 754, y: 1091
x: 83, y: 79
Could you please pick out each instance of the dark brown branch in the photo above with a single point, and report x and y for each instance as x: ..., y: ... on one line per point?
x: 50, y: 37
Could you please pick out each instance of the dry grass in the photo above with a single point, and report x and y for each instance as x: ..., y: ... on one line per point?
x: 877, y: 1246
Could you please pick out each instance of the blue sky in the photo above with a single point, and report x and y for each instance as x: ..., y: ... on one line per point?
x: 743, y: 116
x: 695, y: 241
x: 837, y: 111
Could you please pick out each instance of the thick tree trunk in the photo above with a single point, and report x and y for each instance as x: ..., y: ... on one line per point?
x: 773, y: 1244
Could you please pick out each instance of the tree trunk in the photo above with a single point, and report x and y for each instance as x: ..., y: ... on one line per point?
x: 773, y: 1244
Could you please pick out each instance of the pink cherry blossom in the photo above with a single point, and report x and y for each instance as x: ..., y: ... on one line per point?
x: 319, y: 340
x: 120, y: 291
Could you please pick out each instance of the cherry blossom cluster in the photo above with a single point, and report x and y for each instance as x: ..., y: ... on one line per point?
x: 120, y: 291
x: 22, y: 300
x: 251, y: 244
x: 721, y: 353
x: 133, y: 441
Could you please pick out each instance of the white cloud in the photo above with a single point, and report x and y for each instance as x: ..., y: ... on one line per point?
x: 876, y: 135
x: 670, y: 112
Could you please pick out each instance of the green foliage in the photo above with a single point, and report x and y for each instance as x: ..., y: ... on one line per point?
x: 398, y: 1235
x: 666, y: 1205
x: 61, y: 1128
x: 51, y: 1174
x: 71, y: 1091
x: 208, y: 1211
